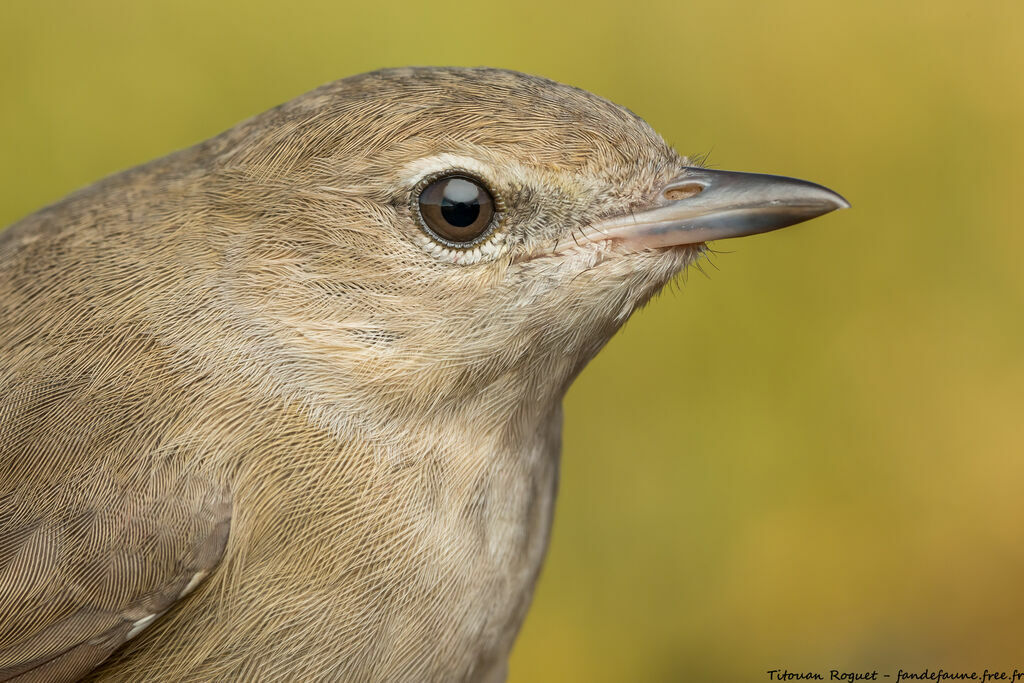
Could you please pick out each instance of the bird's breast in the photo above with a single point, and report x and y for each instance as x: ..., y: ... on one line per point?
x: 373, y: 564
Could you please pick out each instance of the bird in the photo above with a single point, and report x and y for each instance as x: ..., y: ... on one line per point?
x: 286, y: 405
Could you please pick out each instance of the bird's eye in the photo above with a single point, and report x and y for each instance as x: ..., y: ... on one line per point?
x: 456, y: 209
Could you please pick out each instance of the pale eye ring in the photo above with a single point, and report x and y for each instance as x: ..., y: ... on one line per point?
x: 456, y: 209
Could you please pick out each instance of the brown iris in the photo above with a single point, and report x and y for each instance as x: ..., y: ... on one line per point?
x: 457, y: 209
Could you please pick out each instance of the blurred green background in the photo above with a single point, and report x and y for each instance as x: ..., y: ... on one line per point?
x: 813, y: 457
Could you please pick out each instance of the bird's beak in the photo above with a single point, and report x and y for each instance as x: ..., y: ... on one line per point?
x: 700, y: 205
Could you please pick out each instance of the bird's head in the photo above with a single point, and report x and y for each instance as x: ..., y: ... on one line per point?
x: 425, y: 234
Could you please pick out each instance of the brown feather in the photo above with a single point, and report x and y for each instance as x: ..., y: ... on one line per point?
x: 256, y: 331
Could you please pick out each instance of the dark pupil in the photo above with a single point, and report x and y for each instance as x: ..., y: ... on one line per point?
x: 460, y: 204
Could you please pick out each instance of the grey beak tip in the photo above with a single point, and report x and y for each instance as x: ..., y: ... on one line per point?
x: 841, y: 202
x: 830, y: 200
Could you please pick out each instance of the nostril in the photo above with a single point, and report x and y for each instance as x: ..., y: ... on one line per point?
x: 685, y: 191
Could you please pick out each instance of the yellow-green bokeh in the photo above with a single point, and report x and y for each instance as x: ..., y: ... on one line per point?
x: 811, y: 458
